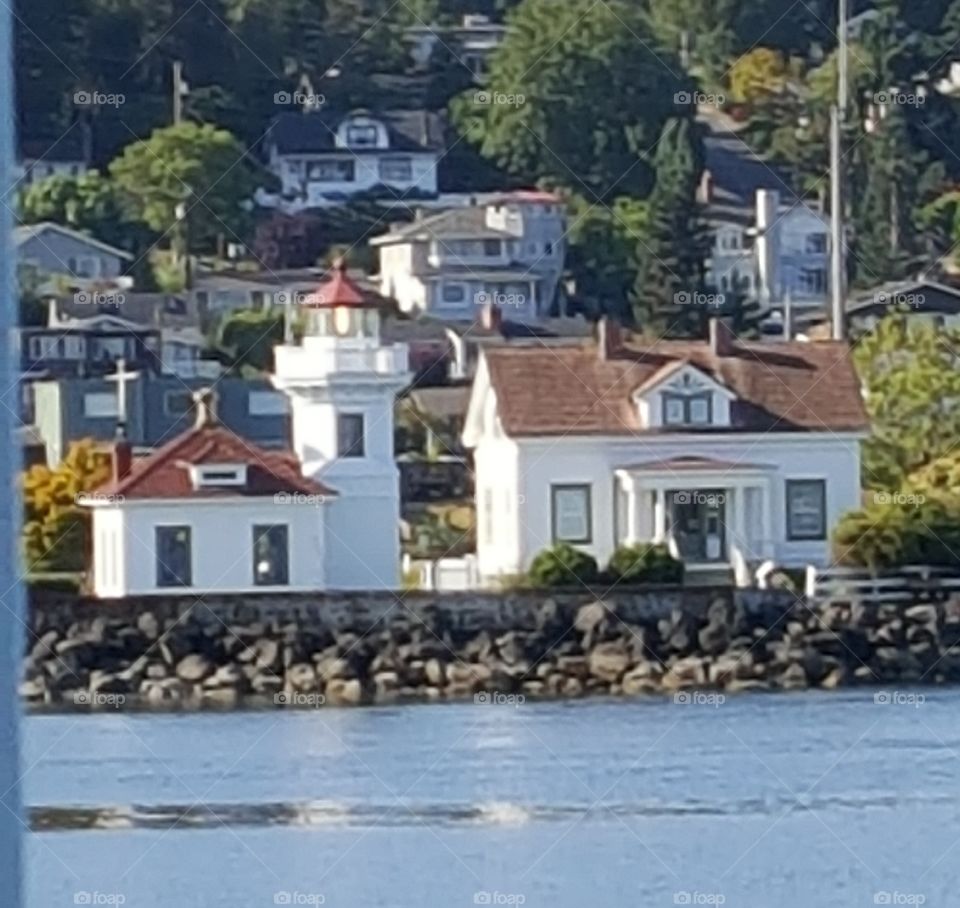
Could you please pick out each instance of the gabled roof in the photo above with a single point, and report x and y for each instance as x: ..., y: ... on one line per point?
x: 164, y: 474
x: 313, y: 133
x: 571, y: 390
x: 926, y: 295
x: 29, y: 231
x: 466, y: 221
x: 693, y: 464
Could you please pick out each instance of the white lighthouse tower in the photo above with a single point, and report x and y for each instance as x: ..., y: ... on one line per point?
x: 342, y: 382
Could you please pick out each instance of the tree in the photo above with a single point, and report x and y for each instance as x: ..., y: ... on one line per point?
x: 757, y: 74
x: 202, y: 168
x: 602, y: 254
x: 912, y: 387
x: 247, y: 338
x: 56, y: 528
x: 574, y: 98
x: 670, y: 294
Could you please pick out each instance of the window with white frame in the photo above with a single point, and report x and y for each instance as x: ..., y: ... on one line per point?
x: 174, y: 556
x: 687, y: 409
x: 453, y: 293
x: 335, y: 171
x: 271, y: 555
x: 396, y: 170
x: 570, y: 513
x: 101, y: 404
x: 806, y: 509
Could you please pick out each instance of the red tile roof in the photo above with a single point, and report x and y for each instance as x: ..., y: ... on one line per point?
x: 164, y: 473
x: 570, y: 390
x: 339, y: 289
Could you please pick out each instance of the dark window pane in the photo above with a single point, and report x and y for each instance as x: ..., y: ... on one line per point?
x: 174, y: 558
x: 271, y: 556
x: 350, y: 442
x: 806, y: 509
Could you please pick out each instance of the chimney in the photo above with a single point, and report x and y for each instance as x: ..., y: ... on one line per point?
x: 205, y: 407
x: 705, y: 189
x: 609, y: 338
x: 491, y: 316
x: 122, y: 454
x: 722, y: 340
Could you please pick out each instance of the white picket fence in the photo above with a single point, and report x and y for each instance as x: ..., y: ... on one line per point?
x: 913, y: 583
x: 444, y: 573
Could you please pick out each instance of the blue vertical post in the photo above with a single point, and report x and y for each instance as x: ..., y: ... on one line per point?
x: 11, y: 592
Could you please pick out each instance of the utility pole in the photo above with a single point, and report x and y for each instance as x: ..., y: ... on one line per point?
x: 177, y: 92
x: 11, y: 588
x: 837, y: 233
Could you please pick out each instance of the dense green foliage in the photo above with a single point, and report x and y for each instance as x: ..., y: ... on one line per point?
x: 562, y: 565
x: 912, y: 386
x: 644, y: 564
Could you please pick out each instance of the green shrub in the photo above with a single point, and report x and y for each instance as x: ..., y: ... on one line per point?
x: 896, y: 529
x: 562, y: 565
x: 645, y: 563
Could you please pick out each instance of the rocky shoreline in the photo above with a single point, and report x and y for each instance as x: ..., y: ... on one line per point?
x: 83, y: 657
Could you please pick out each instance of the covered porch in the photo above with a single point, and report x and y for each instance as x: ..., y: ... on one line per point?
x: 710, y: 513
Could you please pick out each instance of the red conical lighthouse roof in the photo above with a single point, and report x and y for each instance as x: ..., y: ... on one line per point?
x: 337, y: 289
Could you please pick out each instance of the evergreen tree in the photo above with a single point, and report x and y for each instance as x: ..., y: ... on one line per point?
x: 670, y: 294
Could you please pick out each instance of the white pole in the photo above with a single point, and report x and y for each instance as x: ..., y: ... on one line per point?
x: 837, y: 116
x: 11, y: 593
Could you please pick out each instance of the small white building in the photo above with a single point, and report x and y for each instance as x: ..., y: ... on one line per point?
x: 210, y: 512
x: 471, y: 42
x: 322, y: 159
x: 732, y: 453
x: 508, y: 252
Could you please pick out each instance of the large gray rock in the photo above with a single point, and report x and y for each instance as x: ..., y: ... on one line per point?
x: 344, y: 692
x: 608, y: 661
x: 194, y: 668
x: 302, y: 677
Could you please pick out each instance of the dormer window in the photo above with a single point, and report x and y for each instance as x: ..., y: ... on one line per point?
x: 220, y: 475
x: 362, y: 136
x: 687, y: 409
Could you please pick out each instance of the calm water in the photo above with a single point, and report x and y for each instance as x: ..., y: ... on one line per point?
x: 786, y: 801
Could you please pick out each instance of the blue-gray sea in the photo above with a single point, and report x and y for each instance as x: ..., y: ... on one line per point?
x: 776, y: 801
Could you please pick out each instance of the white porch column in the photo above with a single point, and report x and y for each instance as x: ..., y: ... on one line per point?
x: 737, y: 519
x: 660, y: 516
x: 766, y: 518
x: 633, y: 513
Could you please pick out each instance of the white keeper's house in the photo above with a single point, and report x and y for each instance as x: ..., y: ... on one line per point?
x: 732, y: 453
x: 211, y: 513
